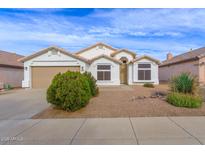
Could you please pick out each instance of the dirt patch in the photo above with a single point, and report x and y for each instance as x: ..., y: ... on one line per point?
x: 125, y: 101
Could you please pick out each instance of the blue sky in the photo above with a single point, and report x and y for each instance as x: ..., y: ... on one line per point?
x: 146, y: 31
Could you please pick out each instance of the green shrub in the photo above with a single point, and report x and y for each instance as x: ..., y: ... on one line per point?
x: 92, y: 83
x: 69, y: 91
x: 184, y: 83
x: 184, y: 100
x: 7, y: 86
x: 149, y: 85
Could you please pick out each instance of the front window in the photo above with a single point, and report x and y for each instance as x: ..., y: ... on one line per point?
x: 144, y: 71
x: 103, y: 72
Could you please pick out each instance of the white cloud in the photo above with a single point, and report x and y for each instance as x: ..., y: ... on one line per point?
x: 166, y: 34
x: 153, y: 31
x: 155, y: 48
x: 148, y: 20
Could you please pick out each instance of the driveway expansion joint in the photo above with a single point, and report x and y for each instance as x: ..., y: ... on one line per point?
x: 78, y: 130
x: 28, y: 128
x: 134, y: 131
x: 24, y: 129
x: 184, y: 130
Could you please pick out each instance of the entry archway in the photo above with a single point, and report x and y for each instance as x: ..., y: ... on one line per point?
x: 123, y: 70
x: 124, y: 60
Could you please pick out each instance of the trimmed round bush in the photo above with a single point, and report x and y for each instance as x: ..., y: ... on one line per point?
x: 92, y: 83
x: 184, y: 100
x: 69, y: 91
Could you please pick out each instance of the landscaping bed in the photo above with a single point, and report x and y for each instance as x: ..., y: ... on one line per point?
x: 125, y: 101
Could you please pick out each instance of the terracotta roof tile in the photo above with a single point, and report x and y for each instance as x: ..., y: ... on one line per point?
x: 50, y: 48
x: 10, y: 59
x: 96, y: 44
x: 193, y: 54
x: 107, y: 57
x: 146, y: 57
x: 123, y: 50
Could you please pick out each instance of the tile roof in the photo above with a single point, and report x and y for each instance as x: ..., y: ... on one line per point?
x: 96, y: 44
x: 50, y: 48
x: 107, y: 57
x: 191, y: 55
x: 10, y: 59
x: 146, y: 57
x: 123, y: 50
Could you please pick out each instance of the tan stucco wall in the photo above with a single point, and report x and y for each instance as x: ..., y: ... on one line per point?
x: 202, y: 71
x: 165, y: 73
x: 12, y: 76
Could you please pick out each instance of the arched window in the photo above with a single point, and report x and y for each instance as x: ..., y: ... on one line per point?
x: 124, y: 60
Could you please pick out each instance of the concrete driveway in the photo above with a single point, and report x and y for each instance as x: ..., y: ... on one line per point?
x: 22, y: 103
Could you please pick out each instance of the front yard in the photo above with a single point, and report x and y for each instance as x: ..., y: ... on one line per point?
x: 125, y: 101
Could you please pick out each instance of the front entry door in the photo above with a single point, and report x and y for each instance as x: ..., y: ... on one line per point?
x: 123, y: 73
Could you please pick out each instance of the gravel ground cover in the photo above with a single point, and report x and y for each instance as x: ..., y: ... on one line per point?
x: 125, y: 101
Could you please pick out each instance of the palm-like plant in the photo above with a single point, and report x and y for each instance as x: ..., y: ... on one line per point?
x: 184, y: 83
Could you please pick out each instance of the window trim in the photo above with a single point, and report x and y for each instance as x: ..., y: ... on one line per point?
x: 104, y: 70
x: 144, y: 69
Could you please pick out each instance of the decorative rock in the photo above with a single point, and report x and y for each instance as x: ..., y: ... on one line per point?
x: 153, y: 96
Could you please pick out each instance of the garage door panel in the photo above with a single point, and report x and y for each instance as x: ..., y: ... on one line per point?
x: 42, y: 76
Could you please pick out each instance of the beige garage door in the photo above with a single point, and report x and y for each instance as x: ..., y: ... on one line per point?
x: 42, y: 76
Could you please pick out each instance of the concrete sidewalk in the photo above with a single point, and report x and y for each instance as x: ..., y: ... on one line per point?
x: 141, y: 130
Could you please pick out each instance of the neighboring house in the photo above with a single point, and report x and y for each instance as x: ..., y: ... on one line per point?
x: 11, y: 71
x: 192, y: 62
x: 110, y: 66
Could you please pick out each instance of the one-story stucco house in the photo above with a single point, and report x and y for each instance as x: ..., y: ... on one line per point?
x: 192, y: 62
x: 110, y: 66
x: 11, y: 70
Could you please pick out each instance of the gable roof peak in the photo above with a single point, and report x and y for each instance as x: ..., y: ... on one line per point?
x: 42, y: 51
x: 101, y: 43
x: 106, y: 57
x: 146, y: 57
x: 95, y: 45
x: 54, y: 47
x: 124, y: 50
